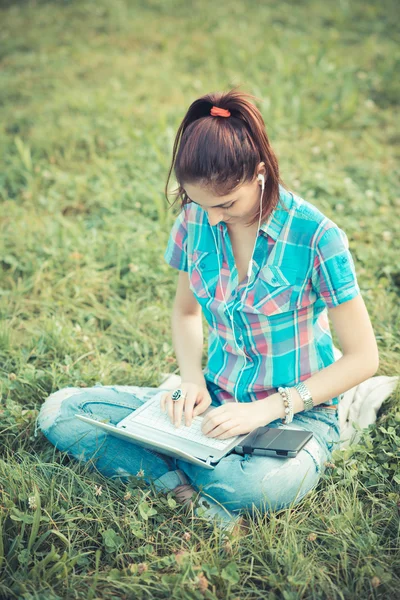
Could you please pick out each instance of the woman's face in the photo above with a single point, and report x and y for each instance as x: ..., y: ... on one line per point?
x: 236, y: 209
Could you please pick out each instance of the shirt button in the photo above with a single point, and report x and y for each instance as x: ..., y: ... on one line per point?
x: 202, y: 265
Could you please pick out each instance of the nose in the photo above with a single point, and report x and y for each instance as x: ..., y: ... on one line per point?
x: 214, y: 217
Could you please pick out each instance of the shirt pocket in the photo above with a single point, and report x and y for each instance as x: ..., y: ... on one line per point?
x: 276, y: 291
x: 204, y: 273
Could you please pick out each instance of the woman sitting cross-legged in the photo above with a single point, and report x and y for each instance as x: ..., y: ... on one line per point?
x: 267, y: 269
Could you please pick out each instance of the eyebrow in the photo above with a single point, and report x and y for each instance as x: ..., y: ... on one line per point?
x: 216, y: 206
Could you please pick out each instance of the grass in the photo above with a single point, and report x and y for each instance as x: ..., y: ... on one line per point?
x: 91, y: 96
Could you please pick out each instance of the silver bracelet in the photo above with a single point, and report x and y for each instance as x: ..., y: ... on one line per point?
x: 287, y: 400
x: 305, y: 395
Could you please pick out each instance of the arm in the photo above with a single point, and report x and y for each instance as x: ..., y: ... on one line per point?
x: 187, y: 336
x: 187, y: 332
x: 360, y: 360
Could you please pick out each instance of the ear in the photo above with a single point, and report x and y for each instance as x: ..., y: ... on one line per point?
x: 261, y: 170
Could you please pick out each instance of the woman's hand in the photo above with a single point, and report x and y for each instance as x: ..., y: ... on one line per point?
x: 197, y: 396
x: 233, y: 418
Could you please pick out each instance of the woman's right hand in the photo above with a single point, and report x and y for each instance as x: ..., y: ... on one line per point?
x: 196, y: 402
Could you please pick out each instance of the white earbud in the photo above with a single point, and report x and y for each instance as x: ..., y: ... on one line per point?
x: 261, y: 178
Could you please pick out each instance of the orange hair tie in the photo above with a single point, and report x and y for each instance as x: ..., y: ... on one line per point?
x: 219, y: 112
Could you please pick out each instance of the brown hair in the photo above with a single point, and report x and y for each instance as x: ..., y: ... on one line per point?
x: 222, y: 153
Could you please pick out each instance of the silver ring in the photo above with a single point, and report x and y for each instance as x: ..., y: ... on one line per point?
x: 177, y: 395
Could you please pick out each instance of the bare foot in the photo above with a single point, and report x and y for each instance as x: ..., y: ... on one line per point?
x: 242, y: 527
x: 184, y: 493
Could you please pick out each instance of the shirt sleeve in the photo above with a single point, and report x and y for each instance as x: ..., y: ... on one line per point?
x: 334, y: 276
x: 176, y: 252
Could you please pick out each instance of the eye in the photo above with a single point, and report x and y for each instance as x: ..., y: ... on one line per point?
x: 223, y: 207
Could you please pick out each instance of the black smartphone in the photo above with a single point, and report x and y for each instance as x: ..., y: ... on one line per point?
x: 271, y: 441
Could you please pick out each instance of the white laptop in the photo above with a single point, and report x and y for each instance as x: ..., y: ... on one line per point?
x: 148, y: 426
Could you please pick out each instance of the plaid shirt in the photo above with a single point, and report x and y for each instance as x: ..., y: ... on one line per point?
x: 301, y: 266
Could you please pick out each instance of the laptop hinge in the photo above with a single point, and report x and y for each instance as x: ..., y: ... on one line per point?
x: 208, y: 461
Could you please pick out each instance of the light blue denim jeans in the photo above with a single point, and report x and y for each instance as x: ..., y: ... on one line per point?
x: 237, y: 482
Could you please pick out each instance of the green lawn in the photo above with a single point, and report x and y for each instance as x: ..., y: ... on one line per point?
x: 91, y: 96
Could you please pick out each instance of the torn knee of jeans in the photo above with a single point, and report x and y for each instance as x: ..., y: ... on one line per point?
x: 222, y: 486
x: 50, y: 410
x: 45, y: 422
x: 288, y: 464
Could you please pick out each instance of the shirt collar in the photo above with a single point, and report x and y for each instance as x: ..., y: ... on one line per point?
x: 275, y: 222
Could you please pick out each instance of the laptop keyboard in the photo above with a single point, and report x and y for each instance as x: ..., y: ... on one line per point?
x: 155, y: 418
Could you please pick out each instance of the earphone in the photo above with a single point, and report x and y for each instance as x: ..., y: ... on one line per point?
x: 261, y: 178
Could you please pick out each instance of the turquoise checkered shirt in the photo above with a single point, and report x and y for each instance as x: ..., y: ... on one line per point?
x: 301, y: 266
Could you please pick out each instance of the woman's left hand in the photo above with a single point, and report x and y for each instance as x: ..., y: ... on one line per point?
x: 233, y: 418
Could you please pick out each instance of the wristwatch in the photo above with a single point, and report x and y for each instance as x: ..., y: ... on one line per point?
x: 305, y: 395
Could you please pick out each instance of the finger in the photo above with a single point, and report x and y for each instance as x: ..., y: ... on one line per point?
x: 233, y: 431
x: 223, y: 431
x: 189, y: 413
x: 213, y: 418
x: 170, y: 408
x: 162, y: 401
x: 216, y: 410
x: 178, y: 408
x: 211, y: 421
x: 191, y: 402
x: 201, y: 406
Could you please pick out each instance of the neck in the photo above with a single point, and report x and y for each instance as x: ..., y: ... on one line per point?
x: 242, y: 229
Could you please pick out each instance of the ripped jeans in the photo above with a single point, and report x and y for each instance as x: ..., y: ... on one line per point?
x: 237, y: 482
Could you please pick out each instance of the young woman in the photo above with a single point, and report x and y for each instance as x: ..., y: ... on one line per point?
x: 266, y: 269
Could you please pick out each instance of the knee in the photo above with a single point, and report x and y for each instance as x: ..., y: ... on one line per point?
x: 272, y: 483
x: 59, y: 425
x: 51, y: 407
x: 287, y: 486
x: 61, y: 402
